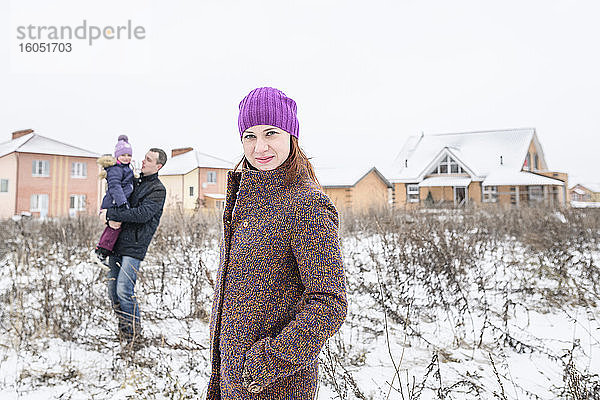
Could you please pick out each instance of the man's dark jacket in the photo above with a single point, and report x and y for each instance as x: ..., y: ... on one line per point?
x: 141, y: 219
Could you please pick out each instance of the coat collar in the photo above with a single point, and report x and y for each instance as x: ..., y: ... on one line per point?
x: 252, y: 188
x: 256, y: 183
x: 152, y: 177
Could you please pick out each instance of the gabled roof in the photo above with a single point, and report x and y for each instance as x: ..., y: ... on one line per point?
x: 454, y: 154
x: 508, y: 176
x: 34, y: 143
x: 479, y: 152
x: 592, y: 187
x: 345, y: 176
x: 186, y: 162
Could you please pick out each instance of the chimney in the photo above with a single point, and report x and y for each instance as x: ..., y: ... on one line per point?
x: 18, y: 134
x: 406, y: 163
x: 501, y: 161
x: 181, y: 150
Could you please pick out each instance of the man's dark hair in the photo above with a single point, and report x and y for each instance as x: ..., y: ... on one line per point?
x: 162, y: 156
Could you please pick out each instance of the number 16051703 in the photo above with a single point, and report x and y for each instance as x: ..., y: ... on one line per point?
x: 45, y: 47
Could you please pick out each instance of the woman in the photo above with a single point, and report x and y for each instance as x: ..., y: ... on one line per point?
x: 280, y: 290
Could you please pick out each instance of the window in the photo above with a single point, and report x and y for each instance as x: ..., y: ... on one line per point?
x: 78, y: 170
x: 77, y: 202
x: 39, y: 202
x: 191, y: 190
x: 211, y: 177
x: 527, y: 164
x: 3, y: 185
x: 41, y: 168
x: 220, y: 204
x: 513, y: 195
x: 536, y: 193
x: 490, y: 194
x: 412, y: 193
x: 537, y: 161
x: 448, y: 166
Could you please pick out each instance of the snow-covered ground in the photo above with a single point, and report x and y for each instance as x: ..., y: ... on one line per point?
x: 434, y: 314
x: 585, y: 204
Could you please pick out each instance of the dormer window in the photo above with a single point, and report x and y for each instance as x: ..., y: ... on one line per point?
x: 447, y: 166
x: 527, y: 163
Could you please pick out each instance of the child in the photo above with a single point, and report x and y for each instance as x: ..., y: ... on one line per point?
x: 119, y: 176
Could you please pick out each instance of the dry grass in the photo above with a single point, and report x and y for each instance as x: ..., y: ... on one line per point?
x: 425, y: 264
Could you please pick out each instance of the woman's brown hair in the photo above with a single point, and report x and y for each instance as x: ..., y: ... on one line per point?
x: 295, y: 164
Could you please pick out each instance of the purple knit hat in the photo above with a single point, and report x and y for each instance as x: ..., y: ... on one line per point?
x: 268, y: 106
x: 123, y: 146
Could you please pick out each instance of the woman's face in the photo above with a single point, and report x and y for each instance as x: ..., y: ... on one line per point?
x: 266, y: 147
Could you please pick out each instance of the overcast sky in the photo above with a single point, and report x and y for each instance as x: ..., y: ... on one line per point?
x: 366, y: 75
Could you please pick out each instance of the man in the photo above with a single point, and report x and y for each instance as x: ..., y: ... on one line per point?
x: 139, y: 224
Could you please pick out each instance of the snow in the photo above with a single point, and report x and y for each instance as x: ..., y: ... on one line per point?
x: 526, y: 335
x: 506, y: 176
x: 34, y: 143
x: 344, y: 176
x: 551, y: 333
x: 186, y: 162
x: 12, y: 145
x: 478, y: 151
x: 592, y: 187
x: 585, y: 204
x: 217, y: 196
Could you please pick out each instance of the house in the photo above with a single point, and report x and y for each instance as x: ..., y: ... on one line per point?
x: 585, y: 195
x: 46, y: 178
x: 355, y: 189
x: 195, y: 180
x: 507, y: 167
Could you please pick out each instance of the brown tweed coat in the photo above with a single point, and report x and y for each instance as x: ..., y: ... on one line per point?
x: 280, y: 291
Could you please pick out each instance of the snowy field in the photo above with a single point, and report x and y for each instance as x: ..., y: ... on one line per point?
x: 444, y: 304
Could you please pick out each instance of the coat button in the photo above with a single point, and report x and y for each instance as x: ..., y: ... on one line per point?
x: 245, y: 224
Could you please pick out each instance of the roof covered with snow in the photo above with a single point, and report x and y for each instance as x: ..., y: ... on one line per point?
x: 216, y: 196
x: 507, y: 176
x: 477, y: 152
x: 344, y: 176
x: 593, y: 187
x: 186, y: 162
x: 34, y: 143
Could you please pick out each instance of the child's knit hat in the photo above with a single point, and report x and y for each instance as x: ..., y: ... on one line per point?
x: 123, y: 146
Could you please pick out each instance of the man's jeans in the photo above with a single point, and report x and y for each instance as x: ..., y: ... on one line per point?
x: 121, y: 284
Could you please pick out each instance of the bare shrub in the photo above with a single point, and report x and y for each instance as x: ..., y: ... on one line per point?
x: 467, y: 273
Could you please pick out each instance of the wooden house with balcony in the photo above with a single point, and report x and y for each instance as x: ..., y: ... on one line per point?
x: 505, y: 167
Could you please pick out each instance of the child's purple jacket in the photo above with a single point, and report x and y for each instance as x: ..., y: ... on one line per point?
x: 280, y: 289
x: 120, y: 185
